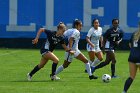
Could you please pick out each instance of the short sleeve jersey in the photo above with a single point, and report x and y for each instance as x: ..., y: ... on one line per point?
x: 52, y: 40
x: 75, y: 34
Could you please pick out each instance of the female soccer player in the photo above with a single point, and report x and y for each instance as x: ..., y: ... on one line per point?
x: 53, y: 39
x: 134, y: 59
x: 73, y: 39
x: 93, y: 48
x: 112, y: 38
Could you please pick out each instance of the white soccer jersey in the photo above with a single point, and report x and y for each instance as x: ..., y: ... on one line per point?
x: 75, y: 34
x: 94, y: 35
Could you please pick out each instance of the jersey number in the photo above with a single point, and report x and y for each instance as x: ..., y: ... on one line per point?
x: 114, y: 38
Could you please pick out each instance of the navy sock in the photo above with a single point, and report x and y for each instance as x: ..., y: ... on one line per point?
x: 36, y: 68
x: 54, y: 65
x: 102, y: 64
x: 127, y: 84
x: 113, y: 69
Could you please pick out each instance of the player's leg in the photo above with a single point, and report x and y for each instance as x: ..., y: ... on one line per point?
x: 91, y: 57
x: 82, y: 58
x: 62, y: 67
x: 67, y: 61
x: 37, y: 68
x: 128, y: 82
x: 106, y: 62
x: 99, y: 56
x: 55, y: 60
x: 91, y: 53
x: 112, y: 56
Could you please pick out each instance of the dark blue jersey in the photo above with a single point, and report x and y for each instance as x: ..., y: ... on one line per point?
x: 52, y: 40
x: 134, y: 43
x: 134, y: 51
x: 111, y: 36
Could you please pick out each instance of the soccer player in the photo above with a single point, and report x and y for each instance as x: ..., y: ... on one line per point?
x: 134, y: 59
x: 112, y: 38
x: 73, y: 36
x: 93, y: 37
x: 53, y: 39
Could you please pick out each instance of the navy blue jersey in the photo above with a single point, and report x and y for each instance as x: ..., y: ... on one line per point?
x: 111, y: 36
x: 134, y: 43
x: 52, y: 40
x: 134, y: 51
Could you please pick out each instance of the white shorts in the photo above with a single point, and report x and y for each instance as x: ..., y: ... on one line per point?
x: 70, y: 57
x: 95, y: 49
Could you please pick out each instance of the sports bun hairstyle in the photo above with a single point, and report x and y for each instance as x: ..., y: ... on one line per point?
x: 59, y: 25
x: 76, y: 22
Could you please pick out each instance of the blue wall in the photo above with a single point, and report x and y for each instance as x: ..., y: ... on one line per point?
x: 31, y: 14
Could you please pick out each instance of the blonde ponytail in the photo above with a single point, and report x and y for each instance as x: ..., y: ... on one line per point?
x: 137, y: 34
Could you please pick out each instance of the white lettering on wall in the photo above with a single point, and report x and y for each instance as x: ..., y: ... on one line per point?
x: 49, y: 14
x: 88, y: 12
x: 123, y: 13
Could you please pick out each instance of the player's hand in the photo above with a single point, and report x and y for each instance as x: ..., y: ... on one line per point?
x: 92, y: 45
x: 34, y: 41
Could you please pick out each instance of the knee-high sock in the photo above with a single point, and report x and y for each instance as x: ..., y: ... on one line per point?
x: 90, y: 62
x: 102, y: 64
x: 113, y: 69
x: 127, y: 84
x: 54, y: 65
x: 59, y: 69
x: 36, y: 68
x: 95, y: 62
x: 87, y: 65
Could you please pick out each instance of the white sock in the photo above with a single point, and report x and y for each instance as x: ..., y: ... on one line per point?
x: 88, y: 68
x: 59, y: 69
x: 90, y: 62
x: 96, y: 62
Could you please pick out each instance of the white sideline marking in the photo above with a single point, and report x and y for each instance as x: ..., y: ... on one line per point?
x: 8, y: 53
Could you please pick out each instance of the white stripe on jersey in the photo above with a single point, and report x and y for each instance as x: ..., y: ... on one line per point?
x: 47, y: 44
x: 95, y: 35
x: 75, y: 34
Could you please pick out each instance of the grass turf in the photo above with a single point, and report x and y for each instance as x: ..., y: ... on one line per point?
x: 16, y: 63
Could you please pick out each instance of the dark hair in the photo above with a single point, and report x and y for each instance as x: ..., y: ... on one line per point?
x: 76, y: 22
x: 115, y: 20
x: 59, y: 25
x: 92, y: 24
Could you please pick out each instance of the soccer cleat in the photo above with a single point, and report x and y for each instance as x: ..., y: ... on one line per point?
x: 29, y: 78
x: 114, y: 76
x: 93, y: 77
x: 54, y: 77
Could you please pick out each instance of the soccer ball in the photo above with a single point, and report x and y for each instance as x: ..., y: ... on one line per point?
x: 106, y: 78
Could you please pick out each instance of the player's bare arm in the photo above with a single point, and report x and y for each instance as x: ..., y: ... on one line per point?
x: 34, y: 41
x: 89, y: 42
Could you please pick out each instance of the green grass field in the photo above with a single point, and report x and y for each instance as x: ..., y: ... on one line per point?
x: 16, y: 63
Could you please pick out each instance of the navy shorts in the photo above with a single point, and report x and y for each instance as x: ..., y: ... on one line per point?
x: 43, y: 51
x: 134, y: 56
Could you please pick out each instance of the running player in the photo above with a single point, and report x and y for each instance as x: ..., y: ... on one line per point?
x: 112, y: 38
x: 53, y: 39
x: 134, y: 59
x: 73, y: 39
x: 93, y: 37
